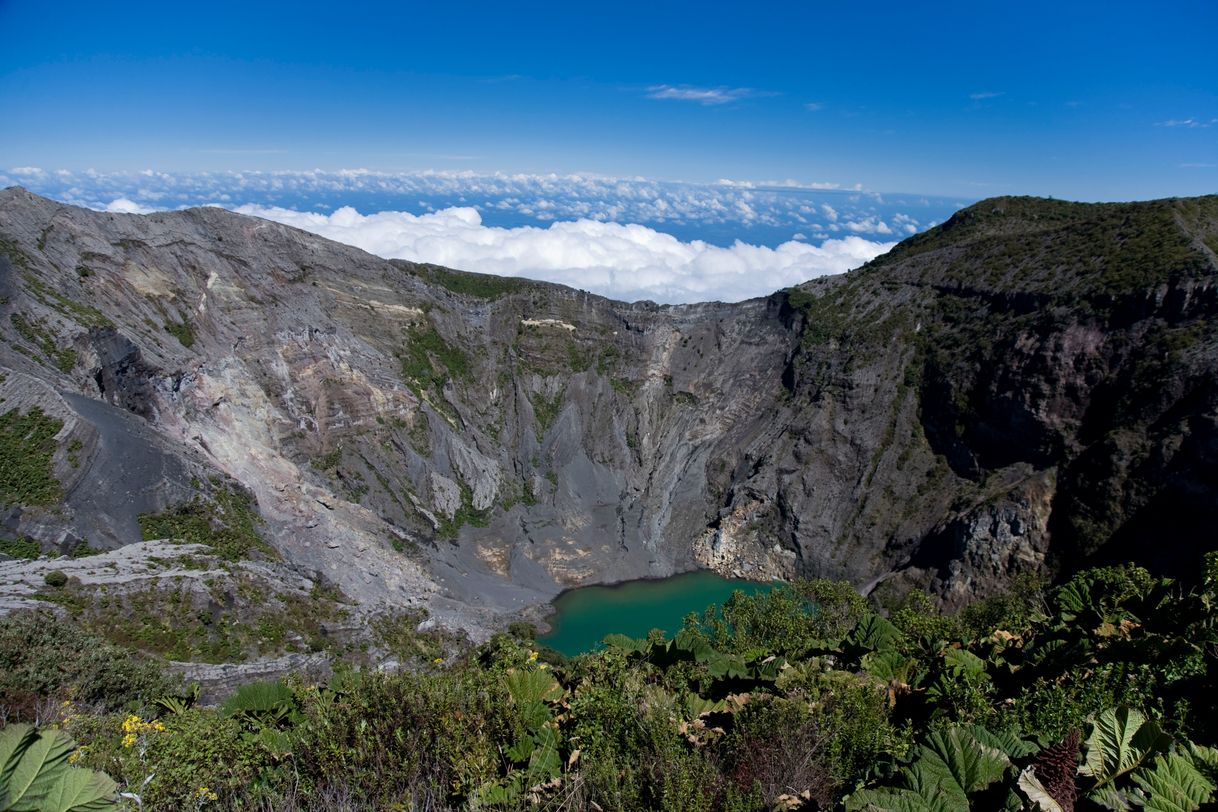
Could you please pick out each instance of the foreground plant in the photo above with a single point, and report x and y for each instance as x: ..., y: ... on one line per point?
x: 36, y: 774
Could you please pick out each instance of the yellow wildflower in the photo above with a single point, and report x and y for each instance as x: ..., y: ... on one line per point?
x: 131, y: 724
x: 532, y: 656
x: 76, y: 755
x: 206, y: 794
x: 542, y: 667
x: 129, y: 740
x: 438, y: 661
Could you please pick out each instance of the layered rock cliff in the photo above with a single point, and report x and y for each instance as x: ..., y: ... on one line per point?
x: 1030, y: 386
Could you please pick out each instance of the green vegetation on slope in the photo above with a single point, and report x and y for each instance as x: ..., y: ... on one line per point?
x: 1067, y: 249
x: 182, y: 331
x: 44, y: 339
x: 27, y: 443
x: 226, y: 521
x: 1096, y: 692
x: 477, y: 285
x: 223, y: 620
x: 429, y: 361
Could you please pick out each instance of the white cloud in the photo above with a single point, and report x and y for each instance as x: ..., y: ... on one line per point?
x: 871, y: 225
x: 814, y: 107
x: 1190, y: 123
x: 701, y: 95
x: 787, y: 183
x: 620, y: 261
x: 985, y: 94
x: 122, y: 205
x: 760, y: 210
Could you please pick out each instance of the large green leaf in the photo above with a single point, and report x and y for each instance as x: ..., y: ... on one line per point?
x: 14, y: 741
x: 1074, y: 598
x: 892, y: 800
x: 260, y: 698
x: 35, y: 775
x: 1121, y: 740
x: 1173, y: 784
x: 725, y: 665
x: 79, y: 790
x: 873, y: 633
x: 950, y: 765
x: 625, y: 644
x: 964, y: 662
x: 544, y: 761
x: 890, y: 666
x: 971, y: 764
x: 533, y: 686
x: 36, y: 771
x: 1008, y: 741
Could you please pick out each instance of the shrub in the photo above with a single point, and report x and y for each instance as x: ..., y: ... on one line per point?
x: 55, y: 578
x: 42, y: 655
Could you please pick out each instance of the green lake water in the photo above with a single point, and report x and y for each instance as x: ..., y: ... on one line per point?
x: 584, y: 616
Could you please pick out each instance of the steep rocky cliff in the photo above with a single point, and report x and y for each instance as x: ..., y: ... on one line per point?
x: 1032, y: 385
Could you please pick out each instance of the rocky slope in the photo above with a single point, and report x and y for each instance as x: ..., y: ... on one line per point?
x: 1032, y: 385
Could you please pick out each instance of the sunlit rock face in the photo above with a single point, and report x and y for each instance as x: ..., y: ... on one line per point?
x: 1030, y: 385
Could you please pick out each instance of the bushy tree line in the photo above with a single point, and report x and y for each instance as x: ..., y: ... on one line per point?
x: 1097, y: 693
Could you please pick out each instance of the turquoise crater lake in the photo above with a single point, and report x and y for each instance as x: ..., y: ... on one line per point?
x: 584, y: 616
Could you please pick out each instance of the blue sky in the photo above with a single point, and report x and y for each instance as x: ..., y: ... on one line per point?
x: 669, y: 151
x: 1083, y: 100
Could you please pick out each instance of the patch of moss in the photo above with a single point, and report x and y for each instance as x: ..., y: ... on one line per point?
x: 580, y: 357
x: 420, y: 434
x: 227, y: 522
x: 607, y: 361
x: 27, y: 444
x: 546, y: 410
x: 328, y: 461
x: 465, y: 514
x: 83, y: 550
x: 20, y: 548
x: 182, y: 332
x: 623, y: 386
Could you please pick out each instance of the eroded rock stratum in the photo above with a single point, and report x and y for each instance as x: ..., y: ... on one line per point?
x: 1030, y: 386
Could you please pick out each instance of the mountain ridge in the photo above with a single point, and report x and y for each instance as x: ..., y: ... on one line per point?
x: 1022, y: 388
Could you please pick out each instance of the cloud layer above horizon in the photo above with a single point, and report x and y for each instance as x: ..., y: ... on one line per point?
x: 628, y: 238
x: 628, y: 262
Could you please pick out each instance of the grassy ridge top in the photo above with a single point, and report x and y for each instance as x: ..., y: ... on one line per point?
x: 1020, y: 243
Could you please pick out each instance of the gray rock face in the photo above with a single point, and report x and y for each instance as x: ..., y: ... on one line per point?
x: 476, y: 445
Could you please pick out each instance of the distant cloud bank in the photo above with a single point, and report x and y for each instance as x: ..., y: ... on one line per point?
x: 627, y: 262
x: 628, y: 238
